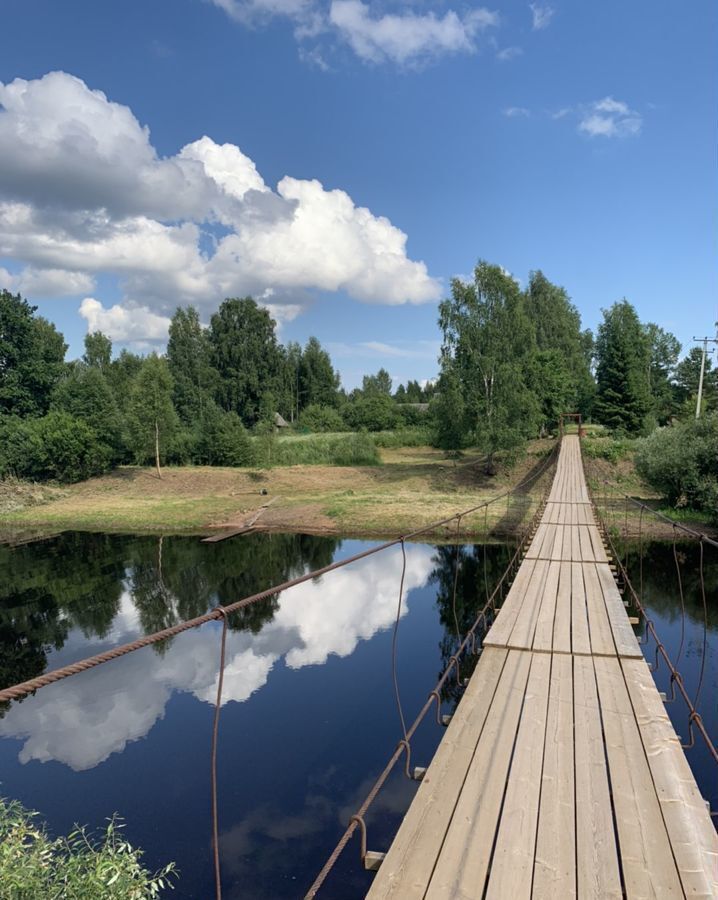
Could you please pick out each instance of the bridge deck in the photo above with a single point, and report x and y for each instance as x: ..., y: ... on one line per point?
x: 560, y: 774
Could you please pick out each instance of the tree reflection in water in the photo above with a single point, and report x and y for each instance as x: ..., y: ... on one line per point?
x: 77, y: 580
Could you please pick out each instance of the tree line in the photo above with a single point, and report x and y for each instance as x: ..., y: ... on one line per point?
x: 512, y: 360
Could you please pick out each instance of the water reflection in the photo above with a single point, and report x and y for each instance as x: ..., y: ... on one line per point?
x: 89, y: 718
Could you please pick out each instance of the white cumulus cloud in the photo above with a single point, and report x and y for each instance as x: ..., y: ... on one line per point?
x: 83, y: 192
x: 610, y: 118
x: 407, y: 37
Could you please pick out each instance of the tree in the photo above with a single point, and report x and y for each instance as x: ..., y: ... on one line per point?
x: 121, y: 375
x: 489, y: 344
x: 377, y: 384
x: 449, y: 411
x: 188, y: 358
x: 318, y: 382
x: 623, y: 399
x: 557, y: 325
x: 32, y: 354
x: 245, y: 353
x: 554, y: 386
x: 686, y: 376
x: 664, y: 349
x: 98, y: 351
x: 85, y: 394
x: 152, y: 418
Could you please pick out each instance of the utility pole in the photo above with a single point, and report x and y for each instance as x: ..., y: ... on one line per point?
x: 705, y: 341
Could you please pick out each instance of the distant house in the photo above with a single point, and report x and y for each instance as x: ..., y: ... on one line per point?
x: 280, y: 422
x: 421, y: 407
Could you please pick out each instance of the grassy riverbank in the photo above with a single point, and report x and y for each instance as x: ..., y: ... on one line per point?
x: 411, y: 487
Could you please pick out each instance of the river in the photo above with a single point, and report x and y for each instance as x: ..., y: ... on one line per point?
x: 308, y: 717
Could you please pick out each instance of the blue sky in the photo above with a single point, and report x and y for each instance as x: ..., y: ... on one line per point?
x: 357, y: 156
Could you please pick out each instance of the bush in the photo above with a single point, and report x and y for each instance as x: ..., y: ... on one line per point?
x: 318, y: 418
x: 410, y: 415
x: 376, y: 412
x: 682, y: 463
x: 56, y: 446
x: 327, y: 450
x: 77, y: 867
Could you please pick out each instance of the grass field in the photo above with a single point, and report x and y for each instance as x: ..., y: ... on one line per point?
x: 412, y: 487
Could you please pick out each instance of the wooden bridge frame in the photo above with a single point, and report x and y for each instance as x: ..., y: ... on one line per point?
x: 560, y: 774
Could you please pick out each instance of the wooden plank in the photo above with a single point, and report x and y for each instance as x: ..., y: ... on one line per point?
x: 513, y: 861
x: 535, y: 545
x: 463, y: 863
x: 543, y: 635
x: 649, y: 869
x: 693, y: 838
x: 599, y: 551
x: 580, y: 638
x: 522, y: 634
x: 555, y: 864
x: 623, y: 635
x: 500, y: 631
x: 562, y: 618
x: 408, y: 865
x: 601, y: 633
x: 584, y: 541
x: 597, y: 872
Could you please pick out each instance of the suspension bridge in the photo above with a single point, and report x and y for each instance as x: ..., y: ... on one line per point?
x: 560, y: 773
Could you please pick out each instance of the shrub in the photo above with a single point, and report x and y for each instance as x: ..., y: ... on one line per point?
x: 318, y: 418
x: 56, y: 446
x: 682, y: 463
x: 376, y: 412
x: 77, y: 867
x: 410, y: 415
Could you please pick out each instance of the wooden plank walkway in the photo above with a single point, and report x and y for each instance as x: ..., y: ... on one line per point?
x: 560, y: 775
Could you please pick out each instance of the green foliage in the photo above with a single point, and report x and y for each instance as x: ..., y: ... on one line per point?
x: 32, y: 354
x: 373, y: 412
x: 85, y: 394
x: 152, y: 419
x: 327, y: 450
x: 57, y: 446
x: 188, y: 359
x: 449, y: 411
x: 246, y: 356
x: 488, y: 345
x: 404, y: 437
x: 623, y: 398
x: 682, y: 463
x: 318, y: 382
x: 321, y: 419
x: 686, y: 378
x: 410, y: 415
x: 98, y: 351
x: 664, y: 350
x: 76, y: 867
x: 377, y: 384
x: 223, y: 440
x: 606, y: 447
x: 564, y: 376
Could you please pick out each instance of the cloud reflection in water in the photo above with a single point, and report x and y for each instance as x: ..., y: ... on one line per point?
x: 83, y: 720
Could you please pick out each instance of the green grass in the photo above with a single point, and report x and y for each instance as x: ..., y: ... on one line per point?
x: 326, y: 450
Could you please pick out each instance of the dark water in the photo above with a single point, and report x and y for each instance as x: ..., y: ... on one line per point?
x: 309, y: 717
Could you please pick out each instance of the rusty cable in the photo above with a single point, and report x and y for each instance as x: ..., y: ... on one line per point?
x: 15, y: 692
x: 676, y: 678
x: 705, y: 634
x: 215, y: 731
x: 434, y: 695
x: 683, y: 604
x: 394, y: 643
x: 456, y: 578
